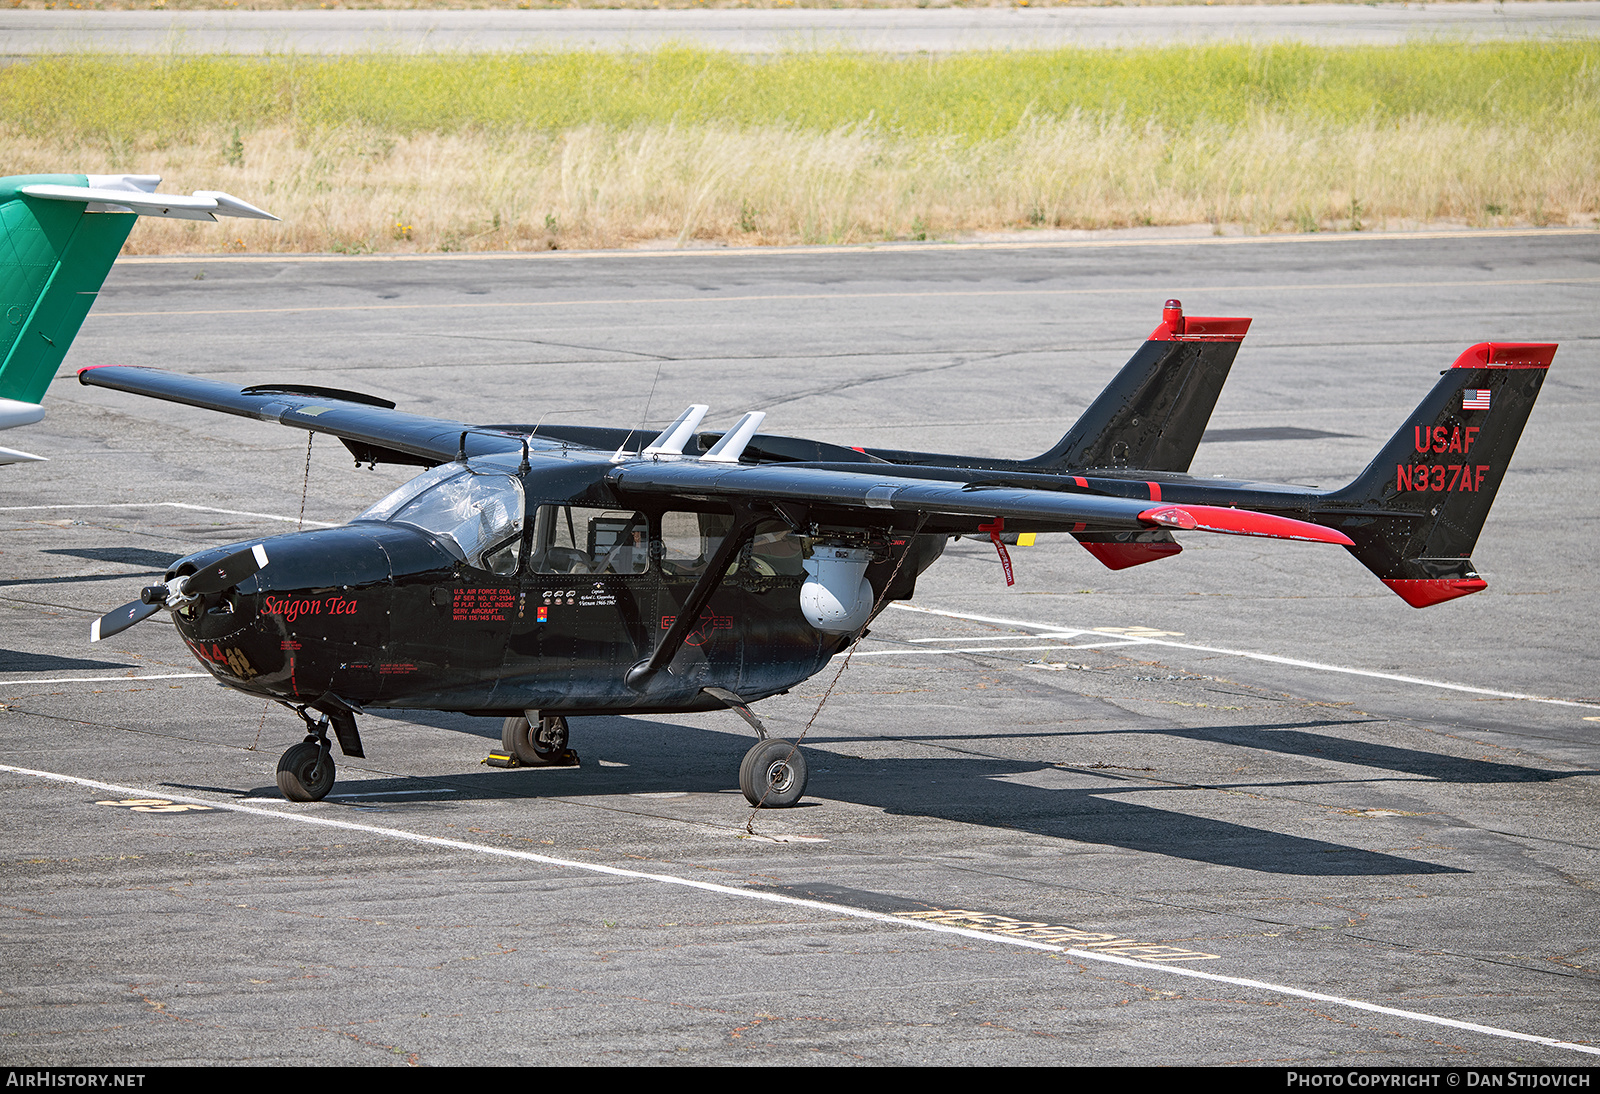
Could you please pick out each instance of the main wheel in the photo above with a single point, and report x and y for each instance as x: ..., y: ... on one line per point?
x: 773, y: 774
x: 535, y: 744
x: 305, y: 773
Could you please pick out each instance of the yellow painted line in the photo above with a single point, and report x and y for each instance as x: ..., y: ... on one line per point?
x: 880, y: 248
x: 1140, y: 290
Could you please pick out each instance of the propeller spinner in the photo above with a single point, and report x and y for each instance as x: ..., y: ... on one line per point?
x: 181, y: 590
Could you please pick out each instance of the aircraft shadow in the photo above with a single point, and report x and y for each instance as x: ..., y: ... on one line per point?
x: 1291, y: 739
x: 23, y: 661
x: 646, y: 757
x: 128, y: 556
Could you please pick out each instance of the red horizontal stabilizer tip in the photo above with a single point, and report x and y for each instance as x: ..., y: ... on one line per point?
x: 1119, y: 556
x: 1508, y: 355
x: 1243, y: 522
x: 1426, y: 591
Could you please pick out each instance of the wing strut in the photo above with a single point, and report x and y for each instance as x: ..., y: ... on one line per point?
x: 744, y: 528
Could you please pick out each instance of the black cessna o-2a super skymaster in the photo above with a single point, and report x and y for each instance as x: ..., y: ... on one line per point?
x: 539, y: 572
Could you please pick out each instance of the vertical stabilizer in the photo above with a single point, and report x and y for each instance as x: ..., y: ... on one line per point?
x: 1416, y: 511
x: 1152, y: 415
x: 54, y: 255
x: 59, y: 235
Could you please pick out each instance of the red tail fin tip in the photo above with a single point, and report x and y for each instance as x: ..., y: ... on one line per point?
x: 1425, y: 592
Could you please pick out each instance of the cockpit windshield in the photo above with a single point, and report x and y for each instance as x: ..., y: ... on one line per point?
x: 476, y: 514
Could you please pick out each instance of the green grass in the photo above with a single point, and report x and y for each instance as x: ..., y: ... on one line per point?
x: 972, y: 97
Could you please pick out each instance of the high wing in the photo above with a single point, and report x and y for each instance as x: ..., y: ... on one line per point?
x: 947, y: 506
x: 373, y: 430
x: 370, y: 427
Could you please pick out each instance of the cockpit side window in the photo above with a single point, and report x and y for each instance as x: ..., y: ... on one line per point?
x: 571, y: 539
x: 690, y: 539
x: 478, y: 517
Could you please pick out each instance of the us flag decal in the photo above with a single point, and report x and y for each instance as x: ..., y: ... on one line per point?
x: 1475, y: 398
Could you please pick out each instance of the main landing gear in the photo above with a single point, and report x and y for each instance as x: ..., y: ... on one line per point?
x: 538, y: 744
x: 773, y: 774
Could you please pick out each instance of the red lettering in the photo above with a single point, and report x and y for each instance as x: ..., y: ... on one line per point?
x: 1439, y: 441
x: 1438, y: 474
x: 1455, y: 440
x: 1455, y: 473
x: 1483, y: 469
x: 1402, y: 477
x: 1421, y: 441
x: 1472, y: 432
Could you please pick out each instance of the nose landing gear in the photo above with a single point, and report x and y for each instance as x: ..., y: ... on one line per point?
x: 305, y: 773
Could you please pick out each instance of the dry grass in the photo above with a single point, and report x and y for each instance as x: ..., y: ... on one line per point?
x: 506, y: 5
x: 574, y: 151
x: 355, y: 191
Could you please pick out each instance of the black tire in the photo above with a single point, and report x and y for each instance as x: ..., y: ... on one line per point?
x: 530, y: 744
x: 305, y: 773
x: 773, y: 774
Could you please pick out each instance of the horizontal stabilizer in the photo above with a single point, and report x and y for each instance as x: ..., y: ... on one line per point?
x: 11, y: 455
x: 108, y: 197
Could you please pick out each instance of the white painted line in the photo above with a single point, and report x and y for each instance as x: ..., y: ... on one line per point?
x: 817, y: 905
x: 1140, y: 640
x: 170, y: 505
x: 926, y: 651
x: 108, y: 679
x: 387, y: 793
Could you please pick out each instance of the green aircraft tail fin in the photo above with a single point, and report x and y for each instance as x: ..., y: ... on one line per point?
x: 54, y: 255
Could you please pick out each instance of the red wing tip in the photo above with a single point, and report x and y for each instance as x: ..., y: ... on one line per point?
x: 1242, y: 522
x: 1508, y: 355
x: 1424, y: 592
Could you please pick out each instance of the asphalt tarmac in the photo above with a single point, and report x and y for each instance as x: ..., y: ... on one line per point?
x: 1240, y: 806
x: 907, y: 30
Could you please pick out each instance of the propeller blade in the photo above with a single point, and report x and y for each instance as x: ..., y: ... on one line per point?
x: 120, y: 620
x: 1241, y: 522
x: 226, y: 573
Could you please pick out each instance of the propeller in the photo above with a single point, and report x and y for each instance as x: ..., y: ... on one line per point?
x: 220, y: 575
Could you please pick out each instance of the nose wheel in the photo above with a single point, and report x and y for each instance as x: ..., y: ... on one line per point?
x: 305, y: 773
